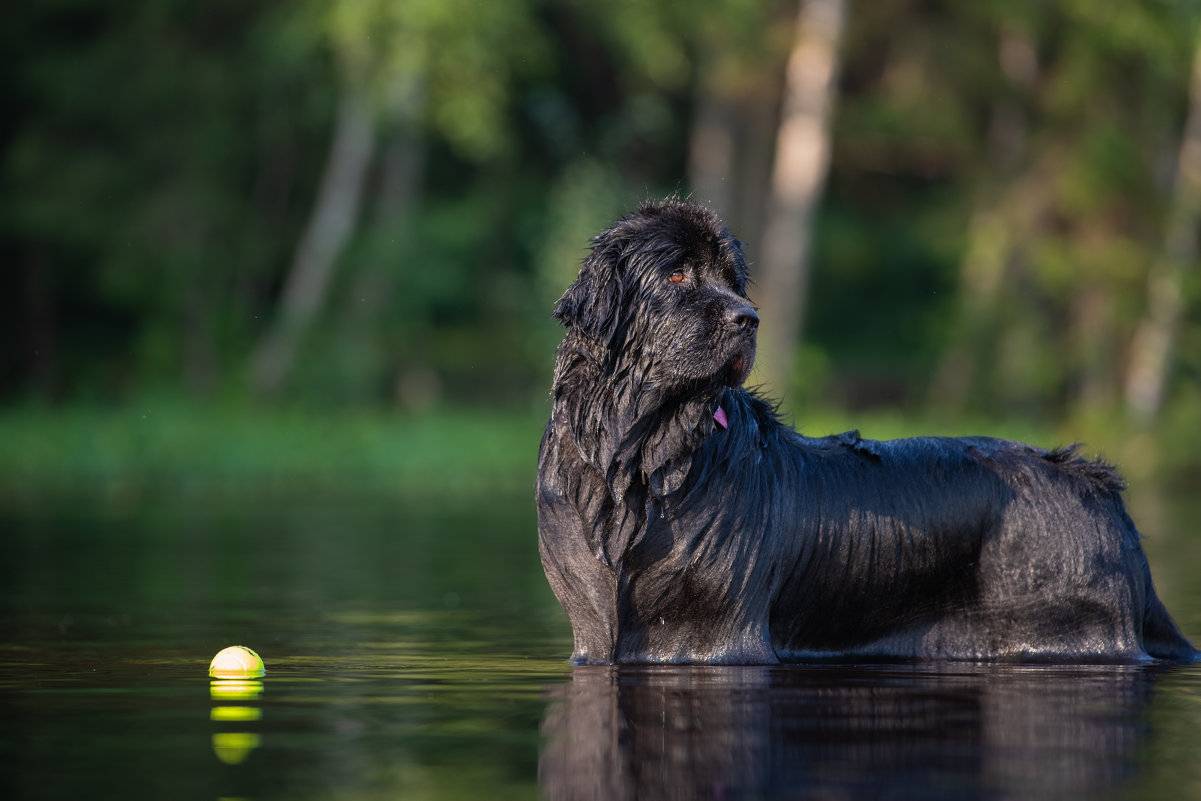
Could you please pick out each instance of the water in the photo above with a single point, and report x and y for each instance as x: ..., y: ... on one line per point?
x: 414, y: 651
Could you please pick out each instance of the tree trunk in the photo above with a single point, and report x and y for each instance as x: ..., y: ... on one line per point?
x: 1003, y: 208
x: 761, y: 112
x: 402, y: 170
x: 802, y: 157
x: 711, y: 147
x: 1154, y: 339
x: 363, y: 327
x: 732, y: 138
x: 332, y: 222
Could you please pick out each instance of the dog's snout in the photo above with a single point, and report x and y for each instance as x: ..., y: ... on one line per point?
x: 742, y: 317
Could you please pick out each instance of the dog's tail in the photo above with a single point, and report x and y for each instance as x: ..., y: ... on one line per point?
x: 1161, y: 638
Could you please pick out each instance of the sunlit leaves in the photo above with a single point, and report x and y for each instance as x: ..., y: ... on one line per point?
x: 463, y: 53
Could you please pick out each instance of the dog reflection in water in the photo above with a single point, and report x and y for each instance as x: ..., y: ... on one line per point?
x: 844, y: 732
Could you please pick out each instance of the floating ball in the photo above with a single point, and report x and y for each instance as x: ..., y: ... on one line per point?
x: 237, y: 662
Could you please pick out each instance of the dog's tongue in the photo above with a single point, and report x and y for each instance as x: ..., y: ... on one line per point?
x: 720, y: 417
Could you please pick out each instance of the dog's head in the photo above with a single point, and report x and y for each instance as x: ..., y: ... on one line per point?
x: 666, y: 285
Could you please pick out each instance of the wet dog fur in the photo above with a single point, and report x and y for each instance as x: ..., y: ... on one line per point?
x: 670, y: 538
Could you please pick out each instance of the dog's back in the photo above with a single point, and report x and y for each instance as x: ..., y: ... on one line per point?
x: 968, y: 548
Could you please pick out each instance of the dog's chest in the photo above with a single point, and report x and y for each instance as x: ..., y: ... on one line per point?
x: 693, y: 585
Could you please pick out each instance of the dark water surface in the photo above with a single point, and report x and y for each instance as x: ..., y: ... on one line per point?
x: 413, y: 651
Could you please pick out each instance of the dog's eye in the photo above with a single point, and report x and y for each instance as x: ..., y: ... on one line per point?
x: 678, y: 277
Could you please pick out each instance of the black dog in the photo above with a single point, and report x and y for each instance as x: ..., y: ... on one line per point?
x: 680, y: 521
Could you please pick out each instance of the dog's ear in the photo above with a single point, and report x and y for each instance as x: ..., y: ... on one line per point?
x: 592, y: 304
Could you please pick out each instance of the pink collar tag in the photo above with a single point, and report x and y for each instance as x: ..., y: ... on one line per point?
x: 720, y: 417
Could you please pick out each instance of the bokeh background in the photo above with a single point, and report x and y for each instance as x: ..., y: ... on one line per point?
x: 316, y: 243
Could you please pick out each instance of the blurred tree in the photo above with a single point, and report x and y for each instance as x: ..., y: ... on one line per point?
x: 1006, y: 202
x: 1155, y: 338
x: 389, y: 53
x: 136, y: 177
x: 712, y: 146
x: 1066, y: 193
x: 741, y: 48
x: 799, y: 172
x: 387, y: 243
x: 334, y: 216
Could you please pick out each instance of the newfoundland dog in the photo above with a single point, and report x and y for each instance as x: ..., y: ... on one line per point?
x: 681, y: 522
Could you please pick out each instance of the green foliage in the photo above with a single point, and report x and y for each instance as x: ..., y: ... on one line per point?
x: 161, y: 163
x: 462, y: 53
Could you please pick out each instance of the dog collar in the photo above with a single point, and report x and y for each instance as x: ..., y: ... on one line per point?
x: 720, y: 417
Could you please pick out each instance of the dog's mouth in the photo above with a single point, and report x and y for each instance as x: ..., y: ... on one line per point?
x: 738, y: 367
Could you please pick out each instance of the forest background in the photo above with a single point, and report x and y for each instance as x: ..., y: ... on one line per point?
x: 315, y: 244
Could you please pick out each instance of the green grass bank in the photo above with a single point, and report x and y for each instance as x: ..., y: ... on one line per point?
x: 182, y: 449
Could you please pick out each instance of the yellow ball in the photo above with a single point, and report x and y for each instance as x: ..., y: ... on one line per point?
x: 237, y: 662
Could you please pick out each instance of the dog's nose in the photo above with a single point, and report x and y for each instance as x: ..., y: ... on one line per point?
x: 743, y: 317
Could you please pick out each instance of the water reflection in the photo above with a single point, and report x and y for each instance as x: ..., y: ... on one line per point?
x: 840, y: 732
x: 233, y: 747
x: 235, y: 689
